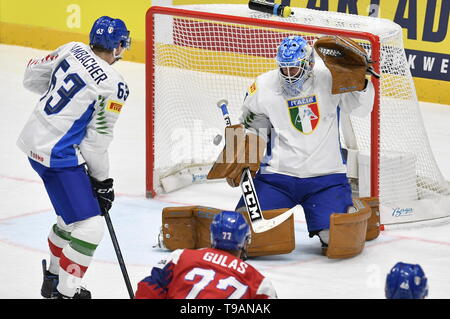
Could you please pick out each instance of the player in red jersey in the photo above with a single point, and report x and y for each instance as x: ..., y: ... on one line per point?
x: 210, y: 273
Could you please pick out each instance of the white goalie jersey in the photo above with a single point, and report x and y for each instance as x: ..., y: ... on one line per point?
x: 304, y: 130
x: 73, y: 121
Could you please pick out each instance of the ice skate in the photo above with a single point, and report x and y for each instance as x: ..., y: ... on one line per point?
x: 49, y: 290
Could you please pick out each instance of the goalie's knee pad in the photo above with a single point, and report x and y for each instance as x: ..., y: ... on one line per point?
x: 90, y: 230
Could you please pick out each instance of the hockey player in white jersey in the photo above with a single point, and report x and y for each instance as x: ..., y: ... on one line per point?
x: 292, y: 110
x: 66, y: 140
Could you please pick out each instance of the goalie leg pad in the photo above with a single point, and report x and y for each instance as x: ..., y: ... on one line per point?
x: 203, y: 219
x: 178, y: 228
x: 373, y: 224
x: 276, y: 241
x: 348, y: 232
x: 189, y: 227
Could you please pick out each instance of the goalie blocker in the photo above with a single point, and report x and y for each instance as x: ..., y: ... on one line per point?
x: 189, y: 227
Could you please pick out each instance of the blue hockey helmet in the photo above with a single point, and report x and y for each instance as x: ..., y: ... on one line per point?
x: 108, y: 33
x: 295, y: 59
x: 229, y: 231
x: 406, y: 281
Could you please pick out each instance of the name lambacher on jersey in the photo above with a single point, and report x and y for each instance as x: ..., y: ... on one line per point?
x: 73, y: 121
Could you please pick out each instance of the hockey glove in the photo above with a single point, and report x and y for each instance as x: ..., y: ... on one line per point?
x: 105, y: 193
x: 347, y: 61
x: 242, y: 150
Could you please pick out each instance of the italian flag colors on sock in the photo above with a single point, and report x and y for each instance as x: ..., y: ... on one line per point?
x: 57, y: 239
x: 76, y: 257
x: 74, y: 261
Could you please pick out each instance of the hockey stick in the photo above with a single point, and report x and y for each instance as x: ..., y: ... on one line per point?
x: 259, y: 223
x: 119, y: 254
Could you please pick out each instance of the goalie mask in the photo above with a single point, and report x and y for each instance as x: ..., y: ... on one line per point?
x: 295, y: 60
x: 229, y: 231
x: 406, y: 281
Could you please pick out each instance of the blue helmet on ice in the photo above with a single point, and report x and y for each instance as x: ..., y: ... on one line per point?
x: 229, y: 231
x: 108, y: 33
x: 406, y: 281
x: 295, y: 59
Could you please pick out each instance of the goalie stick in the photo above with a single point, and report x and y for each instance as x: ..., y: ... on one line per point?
x: 258, y: 222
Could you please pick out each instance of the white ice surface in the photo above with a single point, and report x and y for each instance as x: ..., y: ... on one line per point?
x: 26, y: 214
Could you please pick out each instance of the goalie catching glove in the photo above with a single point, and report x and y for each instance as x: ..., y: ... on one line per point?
x: 347, y: 61
x: 104, y: 192
x: 242, y: 150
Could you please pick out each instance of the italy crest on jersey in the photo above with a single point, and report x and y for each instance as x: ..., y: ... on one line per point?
x: 304, y: 113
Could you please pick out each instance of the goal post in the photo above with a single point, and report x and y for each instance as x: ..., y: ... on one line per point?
x: 199, y: 54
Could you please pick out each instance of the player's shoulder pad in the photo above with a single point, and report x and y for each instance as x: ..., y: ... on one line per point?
x: 69, y: 45
x: 252, y: 88
x: 117, y: 91
x: 266, y: 288
x: 320, y: 70
x: 269, y: 80
x: 175, y: 256
x: 171, y: 258
x: 114, y: 76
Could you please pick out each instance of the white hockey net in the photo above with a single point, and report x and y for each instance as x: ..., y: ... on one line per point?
x: 194, y: 61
